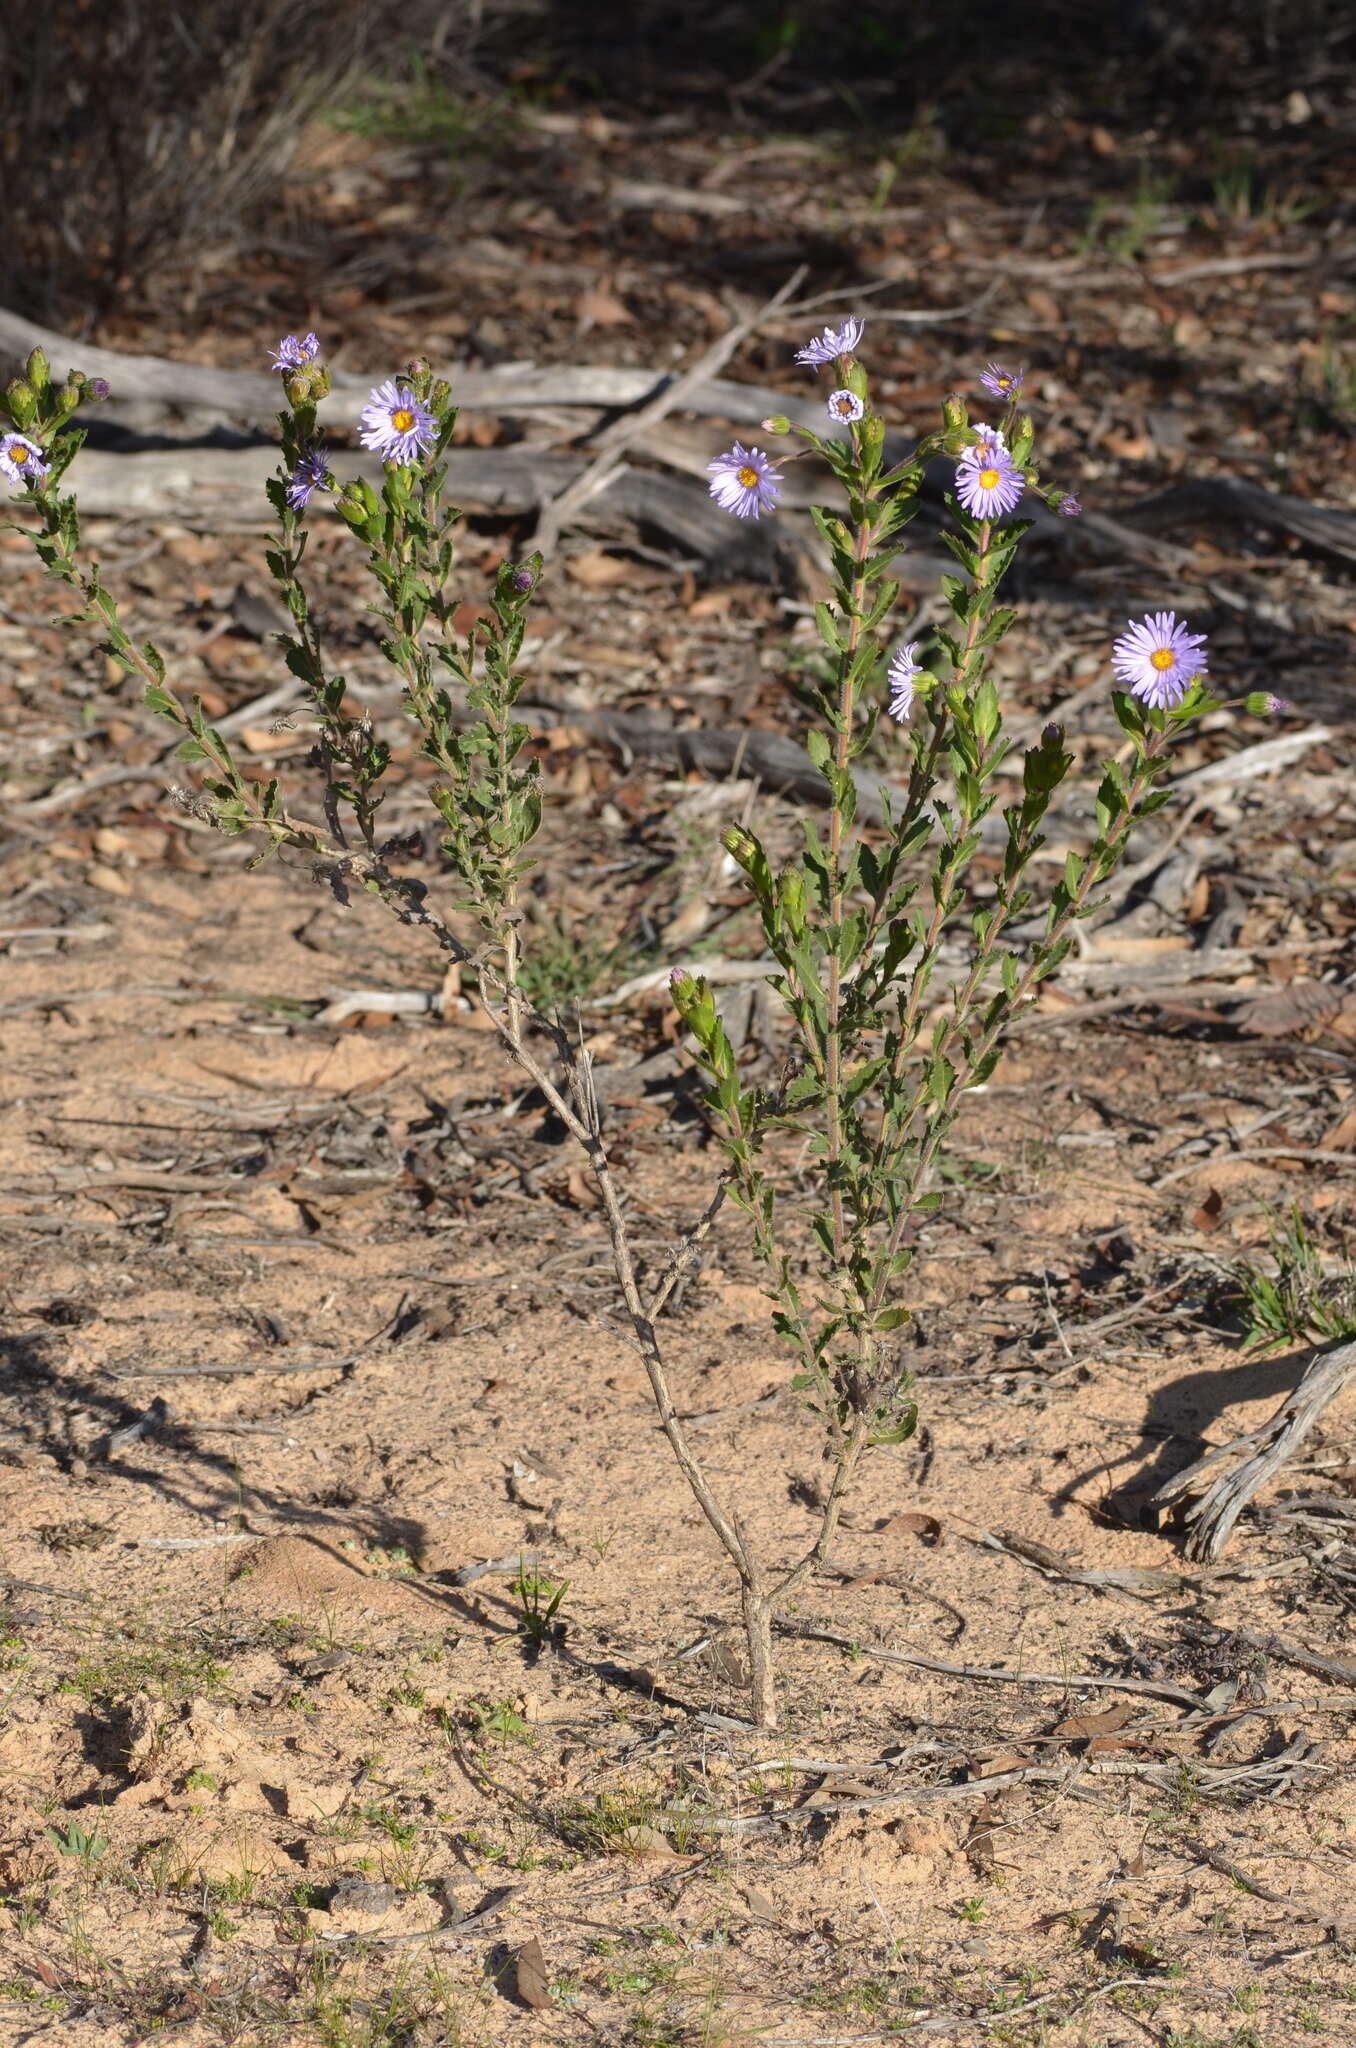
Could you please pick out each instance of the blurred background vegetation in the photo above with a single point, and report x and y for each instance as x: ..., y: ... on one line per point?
x: 144, y: 139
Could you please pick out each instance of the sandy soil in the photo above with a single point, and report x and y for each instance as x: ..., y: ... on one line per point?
x: 308, y: 1337
x: 238, y: 1657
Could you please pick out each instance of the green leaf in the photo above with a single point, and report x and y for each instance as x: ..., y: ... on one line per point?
x: 819, y: 750
x: 899, y: 1433
x: 827, y: 623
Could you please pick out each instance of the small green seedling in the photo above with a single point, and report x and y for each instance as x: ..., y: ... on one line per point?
x: 86, y: 1848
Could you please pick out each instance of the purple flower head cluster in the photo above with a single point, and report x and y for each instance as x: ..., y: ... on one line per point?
x: 21, y: 460
x: 98, y: 388
x: 988, y: 482
x: 311, y: 474
x: 844, y: 405
x: 745, y: 482
x: 522, y: 580
x: 1001, y: 383
x: 397, y: 424
x: 834, y: 342
x: 900, y: 674
x: 295, y: 351
x: 1158, y: 659
x: 1070, y: 507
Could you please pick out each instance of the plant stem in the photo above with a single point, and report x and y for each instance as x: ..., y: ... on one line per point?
x: 1093, y: 874
x: 833, y: 1053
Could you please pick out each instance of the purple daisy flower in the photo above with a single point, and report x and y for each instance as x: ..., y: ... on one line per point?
x: 294, y: 351
x: 900, y: 674
x: 21, y: 460
x: 397, y: 424
x: 311, y: 474
x: 834, y: 342
x: 1159, y: 660
x: 988, y: 481
x: 1001, y: 383
x: 844, y: 405
x: 745, y: 482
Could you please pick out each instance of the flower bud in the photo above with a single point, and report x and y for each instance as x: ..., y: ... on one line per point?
x: 440, y: 397
x: 69, y: 396
x: 954, y: 415
x: 22, y: 401
x: 1053, y: 735
x: 297, y: 385
x: 97, y: 389
x: 776, y: 423
x: 1022, y: 438
x: 37, y: 372
x: 357, y: 502
x: 321, y: 381
x: 791, y: 891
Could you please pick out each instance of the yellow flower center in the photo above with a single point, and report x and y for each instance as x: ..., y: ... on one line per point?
x: 402, y: 420
x: 988, y: 479
x: 1161, y: 658
x: 747, y: 476
x: 1004, y: 383
x: 843, y: 406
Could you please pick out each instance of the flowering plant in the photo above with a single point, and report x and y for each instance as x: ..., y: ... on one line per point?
x: 882, y: 1048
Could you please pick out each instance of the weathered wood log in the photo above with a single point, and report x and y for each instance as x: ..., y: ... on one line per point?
x: 1210, y: 1519
x: 523, y: 479
x: 217, y: 489
x: 250, y: 395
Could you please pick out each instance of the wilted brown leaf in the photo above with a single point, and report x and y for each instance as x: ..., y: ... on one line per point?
x: 1081, y: 1726
x: 911, y: 1522
x: 531, y: 1979
x: 1297, y: 1008
x: 842, y: 1787
x: 978, y: 1846
x: 1341, y: 1137
x: 597, y: 570
x: 1109, y: 1745
x: 597, y: 307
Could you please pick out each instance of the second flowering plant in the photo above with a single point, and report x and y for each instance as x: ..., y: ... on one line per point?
x: 901, y: 955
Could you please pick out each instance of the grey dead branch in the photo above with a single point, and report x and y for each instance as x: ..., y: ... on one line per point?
x: 214, y: 487
x: 1210, y: 1500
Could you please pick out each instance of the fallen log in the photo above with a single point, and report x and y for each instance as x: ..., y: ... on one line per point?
x: 1210, y: 1519
x: 220, y: 489
x: 165, y: 486
x: 252, y: 395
